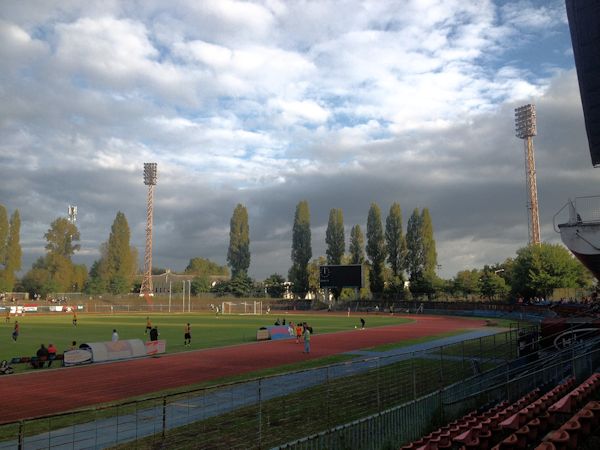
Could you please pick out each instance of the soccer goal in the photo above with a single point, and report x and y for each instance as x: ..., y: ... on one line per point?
x: 254, y: 307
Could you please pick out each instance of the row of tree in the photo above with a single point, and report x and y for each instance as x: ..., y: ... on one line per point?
x: 389, y: 255
x: 536, y: 271
x: 414, y: 254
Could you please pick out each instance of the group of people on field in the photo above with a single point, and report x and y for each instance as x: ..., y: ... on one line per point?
x: 301, y: 331
x: 152, y: 331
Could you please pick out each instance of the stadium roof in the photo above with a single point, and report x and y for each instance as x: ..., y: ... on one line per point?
x: 584, y: 23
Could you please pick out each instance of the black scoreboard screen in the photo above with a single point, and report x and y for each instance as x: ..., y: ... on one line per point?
x: 341, y: 276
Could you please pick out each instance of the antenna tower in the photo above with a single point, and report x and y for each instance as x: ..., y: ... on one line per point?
x: 526, y: 128
x: 149, y: 180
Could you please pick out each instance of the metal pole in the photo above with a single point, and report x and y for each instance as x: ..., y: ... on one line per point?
x: 189, y: 295
x: 412, y: 366
x: 169, y: 296
x: 164, y: 417
x: 259, y: 414
x: 508, y: 382
x: 21, y: 436
x: 441, y: 365
x: 183, y: 304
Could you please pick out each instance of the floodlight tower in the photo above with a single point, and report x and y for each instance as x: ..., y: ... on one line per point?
x: 149, y: 180
x: 72, y: 211
x: 526, y: 128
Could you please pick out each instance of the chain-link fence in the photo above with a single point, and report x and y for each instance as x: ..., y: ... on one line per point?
x: 405, y: 423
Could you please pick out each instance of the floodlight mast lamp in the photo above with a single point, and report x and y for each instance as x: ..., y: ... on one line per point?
x: 526, y: 128
x: 72, y: 211
x: 150, y: 176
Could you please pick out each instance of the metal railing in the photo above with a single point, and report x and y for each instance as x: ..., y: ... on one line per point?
x: 407, y: 422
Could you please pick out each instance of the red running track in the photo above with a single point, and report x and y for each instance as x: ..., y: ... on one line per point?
x: 39, y: 393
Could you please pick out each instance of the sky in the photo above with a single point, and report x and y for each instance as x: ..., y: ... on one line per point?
x: 268, y: 103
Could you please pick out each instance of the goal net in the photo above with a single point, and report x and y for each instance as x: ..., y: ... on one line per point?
x: 254, y: 307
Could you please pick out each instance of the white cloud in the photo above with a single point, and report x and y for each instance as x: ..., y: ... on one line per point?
x: 17, y: 47
x: 295, y: 111
x: 106, y: 46
x: 527, y: 16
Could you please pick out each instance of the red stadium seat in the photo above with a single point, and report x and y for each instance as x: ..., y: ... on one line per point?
x: 511, y: 423
x: 534, y: 430
x: 560, y: 439
x: 573, y: 427
x: 510, y: 443
x: 585, y: 418
x: 544, y: 421
x: 594, y: 407
x: 522, y: 436
x: 546, y: 446
x: 564, y: 405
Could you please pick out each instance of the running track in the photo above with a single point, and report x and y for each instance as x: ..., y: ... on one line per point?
x: 53, y: 391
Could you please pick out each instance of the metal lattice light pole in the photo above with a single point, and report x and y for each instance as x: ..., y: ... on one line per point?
x: 149, y: 180
x: 526, y: 128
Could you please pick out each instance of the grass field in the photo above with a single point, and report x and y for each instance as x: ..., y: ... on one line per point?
x: 208, y: 330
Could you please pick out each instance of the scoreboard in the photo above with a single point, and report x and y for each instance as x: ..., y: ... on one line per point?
x: 341, y: 276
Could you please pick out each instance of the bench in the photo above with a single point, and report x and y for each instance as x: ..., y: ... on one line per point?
x: 33, y: 360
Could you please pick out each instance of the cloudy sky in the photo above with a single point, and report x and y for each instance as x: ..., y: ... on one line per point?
x: 267, y: 103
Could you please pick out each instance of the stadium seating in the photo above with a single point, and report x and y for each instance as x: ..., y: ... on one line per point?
x: 560, y: 419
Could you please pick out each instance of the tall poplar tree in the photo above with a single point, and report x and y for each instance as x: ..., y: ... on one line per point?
x: 429, y: 250
x: 394, y: 237
x: 421, y: 253
x: 414, y: 245
x: 12, y: 261
x: 376, y: 250
x: 301, y: 249
x: 334, y: 237
x: 238, y: 255
x: 119, y: 265
x: 3, y: 233
x: 357, y: 243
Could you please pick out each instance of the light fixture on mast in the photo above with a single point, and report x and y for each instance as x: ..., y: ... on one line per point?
x: 72, y: 212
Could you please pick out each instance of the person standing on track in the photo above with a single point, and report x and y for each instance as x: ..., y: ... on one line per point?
x: 154, y: 334
x: 115, y: 335
x: 187, y: 335
x: 362, y: 323
x: 306, y: 340
x: 148, y: 325
x: 298, y: 332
